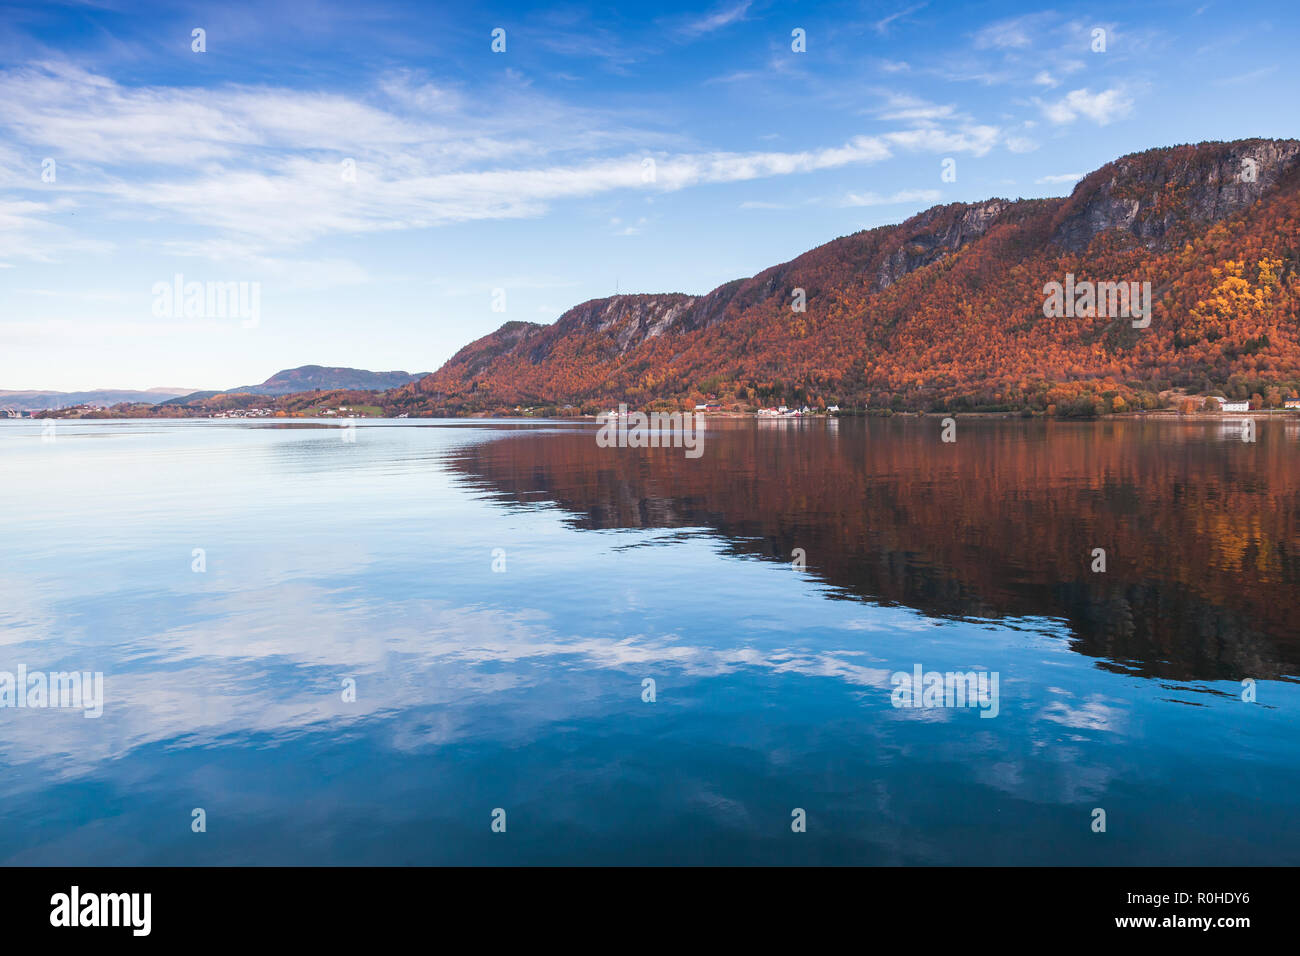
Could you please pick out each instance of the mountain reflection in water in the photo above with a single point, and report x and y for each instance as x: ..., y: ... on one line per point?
x: 1201, y: 530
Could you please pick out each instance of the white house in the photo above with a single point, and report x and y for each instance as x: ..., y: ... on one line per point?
x: 1235, y: 407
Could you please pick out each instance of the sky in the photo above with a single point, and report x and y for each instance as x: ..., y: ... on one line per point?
x: 388, y: 187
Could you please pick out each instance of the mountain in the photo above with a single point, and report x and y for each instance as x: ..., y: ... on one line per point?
x: 348, y: 384
x: 946, y: 310
x: 33, y: 401
x: 307, y: 378
x: 188, y: 398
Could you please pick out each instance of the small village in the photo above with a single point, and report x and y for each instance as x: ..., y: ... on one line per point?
x: 781, y: 411
x: 245, y: 413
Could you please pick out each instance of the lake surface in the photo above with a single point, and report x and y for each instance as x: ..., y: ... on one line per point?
x: 229, y: 578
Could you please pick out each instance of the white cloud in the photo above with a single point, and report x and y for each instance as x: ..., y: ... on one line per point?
x: 1057, y: 178
x: 249, y: 171
x: 634, y: 229
x: 1102, y: 108
x: 976, y: 140
x: 298, y: 199
x: 898, y: 198
x: 904, y: 108
x: 404, y: 122
x: 26, y: 232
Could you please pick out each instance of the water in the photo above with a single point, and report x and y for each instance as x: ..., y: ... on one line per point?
x: 372, y: 561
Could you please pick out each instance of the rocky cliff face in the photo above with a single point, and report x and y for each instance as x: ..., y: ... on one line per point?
x: 630, y: 319
x: 935, y: 233
x: 1200, y: 184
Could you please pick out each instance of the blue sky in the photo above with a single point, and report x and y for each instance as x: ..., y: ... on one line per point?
x: 527, y: 171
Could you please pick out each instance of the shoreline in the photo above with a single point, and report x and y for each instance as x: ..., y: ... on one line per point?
x: 1157, y: 415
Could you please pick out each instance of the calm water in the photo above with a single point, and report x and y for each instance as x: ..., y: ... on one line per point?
x: 328, y: 560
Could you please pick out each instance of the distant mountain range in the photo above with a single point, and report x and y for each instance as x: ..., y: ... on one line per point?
x: 33, y: 401
x: 288, y: 381
x: 947, y: 310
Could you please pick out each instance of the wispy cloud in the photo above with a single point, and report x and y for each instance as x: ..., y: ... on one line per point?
x: 1057, y: 178
x: 902, y: 107
x: 1013, y: 33
x: 882, y: 25
x: 722, y: 17
x: 27, y: 232
x: 276, y: 167
x: 899, y: 198
x: 1251, y: 76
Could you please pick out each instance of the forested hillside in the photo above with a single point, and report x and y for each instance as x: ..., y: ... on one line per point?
x: 946, y: 310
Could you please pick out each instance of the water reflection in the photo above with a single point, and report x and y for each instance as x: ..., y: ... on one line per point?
x: 372, y: 560
x: 1201, y: 531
